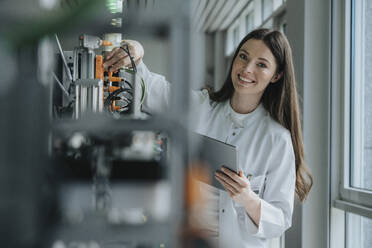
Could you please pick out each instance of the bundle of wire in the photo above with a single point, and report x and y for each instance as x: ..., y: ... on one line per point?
x: 119, y: 94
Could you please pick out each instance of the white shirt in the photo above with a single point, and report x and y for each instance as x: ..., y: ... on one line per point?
x: 265, y: 151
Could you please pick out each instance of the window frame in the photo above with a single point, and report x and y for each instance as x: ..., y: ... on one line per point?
x: 345, y: 197
x: 240, y: 24
x: 229, y: 45
x: 254, y: 7
x: 263, y: 10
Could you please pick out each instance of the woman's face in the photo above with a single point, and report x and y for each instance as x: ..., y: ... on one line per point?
x: 253, y: 68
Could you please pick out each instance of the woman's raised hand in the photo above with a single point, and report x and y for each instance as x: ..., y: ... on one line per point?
x: 119, y: 56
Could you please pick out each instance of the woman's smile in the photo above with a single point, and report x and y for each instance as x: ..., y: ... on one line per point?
x: 245, y: 81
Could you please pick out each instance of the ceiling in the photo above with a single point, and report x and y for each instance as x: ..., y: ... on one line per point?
x: 216, y: 15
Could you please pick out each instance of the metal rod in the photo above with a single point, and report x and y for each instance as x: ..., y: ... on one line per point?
x: 63, y: 59
x: 60, y: 85
x: 77, y: 101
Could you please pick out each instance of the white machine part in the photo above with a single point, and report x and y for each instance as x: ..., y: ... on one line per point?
x: 114, y: 38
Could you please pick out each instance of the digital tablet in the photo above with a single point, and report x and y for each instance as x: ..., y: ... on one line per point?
x: 214, y: 154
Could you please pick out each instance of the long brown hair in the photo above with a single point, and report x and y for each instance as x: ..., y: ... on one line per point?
x: 279, y: 99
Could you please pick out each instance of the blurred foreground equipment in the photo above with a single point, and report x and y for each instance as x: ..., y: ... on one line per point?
x: 80, y: 165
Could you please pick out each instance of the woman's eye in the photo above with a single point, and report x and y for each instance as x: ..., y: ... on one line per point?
x: 243, y: 56
x: 262, y: 65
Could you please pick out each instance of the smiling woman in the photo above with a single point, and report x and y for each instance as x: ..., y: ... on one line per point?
x: 271, y: 62
x: 256, y: 110
x: 252, y: 70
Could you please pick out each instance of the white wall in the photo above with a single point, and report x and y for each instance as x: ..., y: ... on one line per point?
x: 157, y: 55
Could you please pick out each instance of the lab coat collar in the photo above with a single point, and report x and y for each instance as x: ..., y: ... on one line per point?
x: 242, y: 120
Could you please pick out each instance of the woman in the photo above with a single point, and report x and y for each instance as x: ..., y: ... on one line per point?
x: 257, y: 111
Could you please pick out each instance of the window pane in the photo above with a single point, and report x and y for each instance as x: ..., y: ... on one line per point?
x: 358, y: 231
x: 236, y: 37
x: 267, y: 8
x: 361, y: 108
x: 249, y: 22
x: 283, y: 28
x: 281, y: 23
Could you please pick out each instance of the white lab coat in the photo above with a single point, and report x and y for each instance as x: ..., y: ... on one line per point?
x: 265, y: 151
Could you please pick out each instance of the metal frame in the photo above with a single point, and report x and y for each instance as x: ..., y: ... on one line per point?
x: 240, y: 22
x: 316, y: 120
x: 339, y: 42
x: 344, y: 199
x: 176, y: 27
x: 347, y: 198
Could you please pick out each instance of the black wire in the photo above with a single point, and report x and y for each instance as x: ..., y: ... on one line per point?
x: 126, y: 99
x: 125, y: 81
x: 126, y: 50
x: 115, y: 93
x: 113, y: 96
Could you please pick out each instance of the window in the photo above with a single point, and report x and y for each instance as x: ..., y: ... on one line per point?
x: 361, y: 95
x: 281, y: 23
x: 253, y: 16
x: 355, y: 185
x: 267, y: 8
x: 360, y: 176
x: 249, y: 22
x: 358, y: 231
x: 236, y: 38
x: 283, y: 28
x: 232, y: 38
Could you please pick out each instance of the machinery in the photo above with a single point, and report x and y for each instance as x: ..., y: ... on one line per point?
x: 94, y: 171
x: 87, y: 88
x: 99, y: 168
